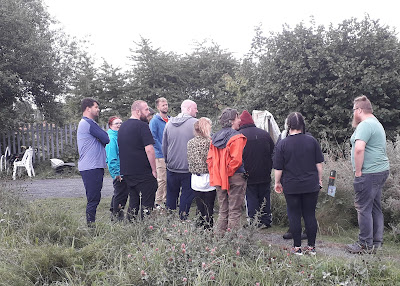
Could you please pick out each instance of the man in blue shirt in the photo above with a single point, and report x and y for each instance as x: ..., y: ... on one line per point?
x: 92, y: 155
x: 157, y: 125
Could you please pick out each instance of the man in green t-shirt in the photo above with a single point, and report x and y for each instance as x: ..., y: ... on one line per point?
x: 371, y: 169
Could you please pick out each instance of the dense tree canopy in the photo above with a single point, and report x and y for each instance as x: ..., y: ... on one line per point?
x: 312, y: 69
x: 35, y: 61
x: 319, y: 72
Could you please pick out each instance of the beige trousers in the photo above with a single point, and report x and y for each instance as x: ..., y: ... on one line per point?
x: 161, y: 193
x: 230, y: 205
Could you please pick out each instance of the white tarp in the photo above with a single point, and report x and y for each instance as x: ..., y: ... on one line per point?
x: 265, y: 120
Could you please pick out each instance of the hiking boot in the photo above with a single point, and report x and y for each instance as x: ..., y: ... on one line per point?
x: 288, y: 235
x: 309, y: 250
x: 357, y: 248
x: 296, y: 251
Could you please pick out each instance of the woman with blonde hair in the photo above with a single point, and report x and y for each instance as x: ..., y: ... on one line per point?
x: 197, y: 150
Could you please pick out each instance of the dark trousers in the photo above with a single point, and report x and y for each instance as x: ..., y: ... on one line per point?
x: 119, y: 198
x: 205, y: 207
x: 176, y: 181
x: 258, y: 200
x: 93, y: 182
x: 368, y: 193
x: 299, y: 205
x: 142, y: 192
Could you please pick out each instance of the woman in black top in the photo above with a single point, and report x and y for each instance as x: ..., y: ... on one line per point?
x: 298, y: 174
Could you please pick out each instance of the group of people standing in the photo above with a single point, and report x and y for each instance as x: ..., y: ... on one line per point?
x: 171, y: 161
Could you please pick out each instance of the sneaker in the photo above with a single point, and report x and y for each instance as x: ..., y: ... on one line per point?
x: 309, y: 250
x: 357, y: 248
x: 296, y: 251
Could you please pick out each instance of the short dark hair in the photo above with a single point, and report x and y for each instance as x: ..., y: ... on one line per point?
x: 296, y: 121
x: 88, y: 102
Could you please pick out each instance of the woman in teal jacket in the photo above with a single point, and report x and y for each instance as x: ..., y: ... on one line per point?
x: 120, y: 196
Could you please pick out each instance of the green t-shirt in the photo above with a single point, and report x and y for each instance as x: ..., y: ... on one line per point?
x: 371, y: 131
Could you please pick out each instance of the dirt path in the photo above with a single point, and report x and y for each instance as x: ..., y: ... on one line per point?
x: 55, y: 188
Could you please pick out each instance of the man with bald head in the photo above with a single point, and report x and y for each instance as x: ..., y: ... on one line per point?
x: 137, y: 159
x: 178, y: 131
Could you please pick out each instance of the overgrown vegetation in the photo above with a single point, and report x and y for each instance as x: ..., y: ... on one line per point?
x: 47, y: 242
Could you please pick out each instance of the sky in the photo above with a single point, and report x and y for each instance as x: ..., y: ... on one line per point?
x: 113, y: 26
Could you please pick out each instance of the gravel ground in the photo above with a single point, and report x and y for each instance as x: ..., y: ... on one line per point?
x: 56, y: 188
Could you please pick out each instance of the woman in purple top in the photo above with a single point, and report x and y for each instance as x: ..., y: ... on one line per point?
x: 298, y: 174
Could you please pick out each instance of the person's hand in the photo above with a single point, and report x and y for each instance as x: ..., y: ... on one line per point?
x: 119, y: 178
x: 154, y: 172
x: 358, y: 174
x: 320, y: 184
x: 278, y: 188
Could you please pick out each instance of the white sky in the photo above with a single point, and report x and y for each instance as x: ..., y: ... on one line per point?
x: 174, y: 25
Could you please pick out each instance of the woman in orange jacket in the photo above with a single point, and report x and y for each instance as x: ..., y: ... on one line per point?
x: 226, y: 170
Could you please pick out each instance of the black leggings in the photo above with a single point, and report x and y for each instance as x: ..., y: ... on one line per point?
x: 299, y: 205
x: 205, y: 207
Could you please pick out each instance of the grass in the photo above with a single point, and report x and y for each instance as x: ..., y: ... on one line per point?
x: 46, y: 242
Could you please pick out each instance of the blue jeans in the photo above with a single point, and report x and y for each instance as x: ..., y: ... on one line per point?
x: 257, y: 196
x: 93, y: 182
x: 176, y: 181
x: 368, y: 192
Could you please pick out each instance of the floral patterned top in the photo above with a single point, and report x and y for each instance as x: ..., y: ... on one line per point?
x: 197, y: 151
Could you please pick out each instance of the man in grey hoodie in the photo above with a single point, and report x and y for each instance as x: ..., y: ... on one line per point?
x: 178, y: 131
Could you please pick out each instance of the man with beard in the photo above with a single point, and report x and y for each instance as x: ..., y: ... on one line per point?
x: 157, y: 125
x: 371, y: 169
x: 137, y: 159
x: 92, y: 156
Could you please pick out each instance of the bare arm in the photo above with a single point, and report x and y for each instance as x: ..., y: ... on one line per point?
x: 319, y: 167
x: 278, y: 185
x: 359, y: 151
x: 151, y: 156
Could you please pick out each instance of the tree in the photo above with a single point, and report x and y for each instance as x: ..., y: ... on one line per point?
x: 112, y: 95
x: 319, y: 72
x: 154, y: 74
x: 32, y: 63
x: 209, y: 78
x: 83, y: 84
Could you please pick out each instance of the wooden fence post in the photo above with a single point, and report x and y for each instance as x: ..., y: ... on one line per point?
x: 47, y: 141
x: 52, y: 140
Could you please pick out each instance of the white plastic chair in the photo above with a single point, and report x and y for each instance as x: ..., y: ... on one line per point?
x: 25, y: 162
